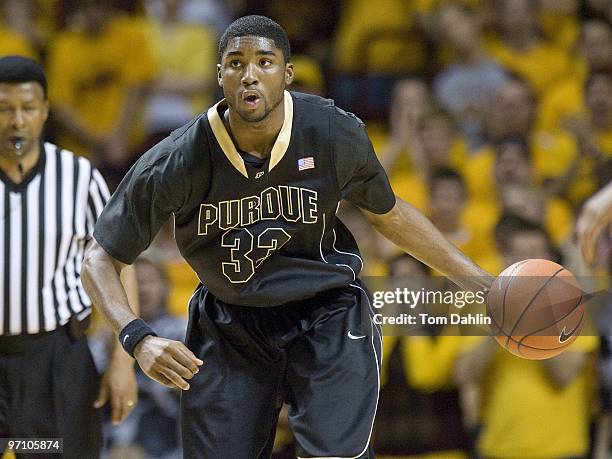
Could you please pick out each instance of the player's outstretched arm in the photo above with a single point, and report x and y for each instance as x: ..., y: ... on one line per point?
x: 595, y: 216
x: 410, y: 230
x: 168, y: 362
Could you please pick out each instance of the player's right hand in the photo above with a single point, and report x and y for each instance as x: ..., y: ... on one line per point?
x: 166, y: 361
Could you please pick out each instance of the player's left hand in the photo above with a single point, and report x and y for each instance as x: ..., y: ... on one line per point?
x: 119, y: 386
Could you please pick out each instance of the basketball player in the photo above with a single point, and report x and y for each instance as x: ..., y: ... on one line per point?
x: 254, y: 185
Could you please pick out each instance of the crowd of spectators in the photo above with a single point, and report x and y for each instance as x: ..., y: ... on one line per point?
x: 493, y: 117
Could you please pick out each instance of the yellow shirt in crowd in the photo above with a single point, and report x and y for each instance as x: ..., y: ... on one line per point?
x: 541, y: 65
x: 183, y: 282
x: 526, y: 416
x: 187, y: 50
x: 563, y: 100
x: 92, y: 75
x: 428, y: 362
x: 557, y: 218
x: 362, y: 23
x: 12, y: 43
x: 562, y: 29
x: 585, y: 182
x: 552, y: 155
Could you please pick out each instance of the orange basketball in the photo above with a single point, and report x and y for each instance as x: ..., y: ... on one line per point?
x: 536, y: 309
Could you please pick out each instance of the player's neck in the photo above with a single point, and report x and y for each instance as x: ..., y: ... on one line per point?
x: 16, y: 168
x: 255, y: 138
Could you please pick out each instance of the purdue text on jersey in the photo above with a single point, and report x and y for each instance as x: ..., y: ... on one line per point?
x: 292, y: 204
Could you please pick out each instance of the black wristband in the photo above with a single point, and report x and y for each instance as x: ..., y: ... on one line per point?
x: 133, y: 333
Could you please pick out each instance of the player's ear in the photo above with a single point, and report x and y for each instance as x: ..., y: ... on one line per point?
x: 289, y: 73
x: 219, y: 77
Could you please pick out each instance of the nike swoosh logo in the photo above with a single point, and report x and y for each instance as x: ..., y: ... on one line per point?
x: 564, y: 336
x: 125, y: 338
x: 351, y: 336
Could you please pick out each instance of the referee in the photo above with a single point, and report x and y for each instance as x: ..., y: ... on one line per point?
x: 49, y: 202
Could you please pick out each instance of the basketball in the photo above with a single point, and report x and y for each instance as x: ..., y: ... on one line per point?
x: 536, y: 309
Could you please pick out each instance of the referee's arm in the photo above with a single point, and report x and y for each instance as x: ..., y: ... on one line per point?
x: 168, y: 362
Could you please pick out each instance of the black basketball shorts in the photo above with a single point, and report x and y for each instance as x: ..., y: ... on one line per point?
x: 321, y: 356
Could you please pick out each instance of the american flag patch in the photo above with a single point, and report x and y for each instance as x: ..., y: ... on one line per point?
x: 306, y: 163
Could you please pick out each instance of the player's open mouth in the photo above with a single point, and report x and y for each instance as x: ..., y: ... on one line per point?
x: 251, y: 99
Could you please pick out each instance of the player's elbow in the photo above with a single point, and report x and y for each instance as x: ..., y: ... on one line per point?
x: 384, y: 221
x: 95, y: 260
x: 89, y: 261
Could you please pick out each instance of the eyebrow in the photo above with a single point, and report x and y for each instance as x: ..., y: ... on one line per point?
x: 4, y: 99
x: 260, y: 52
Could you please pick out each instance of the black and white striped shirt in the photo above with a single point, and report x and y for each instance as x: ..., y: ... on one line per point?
x: 45, y: 222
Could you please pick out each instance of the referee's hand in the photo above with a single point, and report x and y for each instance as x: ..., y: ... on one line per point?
x: 166, y: 361
x: 118, y: 386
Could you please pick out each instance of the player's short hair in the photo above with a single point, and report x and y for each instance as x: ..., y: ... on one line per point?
x: 256, y: 26
x: 21, y: 69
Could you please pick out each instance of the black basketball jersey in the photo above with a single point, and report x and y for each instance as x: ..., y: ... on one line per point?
x: 256, y: 236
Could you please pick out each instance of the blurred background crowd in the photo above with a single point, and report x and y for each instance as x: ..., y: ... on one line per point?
x: 493, y: 117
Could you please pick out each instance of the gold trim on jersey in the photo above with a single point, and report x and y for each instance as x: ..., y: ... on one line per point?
x: 229, y: 149
x: 224, y: 140
x: 284, y: 136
